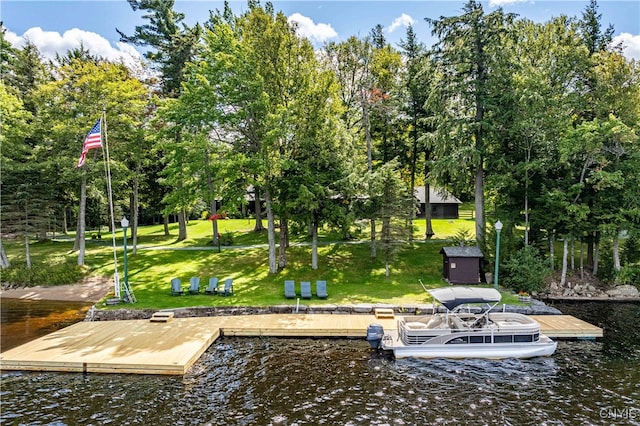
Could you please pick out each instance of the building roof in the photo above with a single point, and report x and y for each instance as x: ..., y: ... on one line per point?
x: 462, y: 251
x: 436, y: 196
x: 451, y: 297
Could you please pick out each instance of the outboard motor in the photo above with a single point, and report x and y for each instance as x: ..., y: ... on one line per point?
x: 375, y: 332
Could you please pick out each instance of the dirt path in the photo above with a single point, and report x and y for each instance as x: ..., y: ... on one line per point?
x: 90, y: 290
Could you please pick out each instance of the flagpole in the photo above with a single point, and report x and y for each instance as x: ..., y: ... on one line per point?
x: 105, y: 152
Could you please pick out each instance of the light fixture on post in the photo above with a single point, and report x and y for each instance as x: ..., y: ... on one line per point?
x: 498, y: 227
x: 125, y: 224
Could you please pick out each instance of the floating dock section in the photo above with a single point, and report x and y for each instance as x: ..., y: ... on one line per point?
x: 172, y: 345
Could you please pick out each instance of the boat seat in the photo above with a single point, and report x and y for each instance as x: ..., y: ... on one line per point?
x: 457, y: 323
x: 436, y: 322
x: 416, y: 325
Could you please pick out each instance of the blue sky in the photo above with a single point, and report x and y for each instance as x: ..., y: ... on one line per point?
x: 56, y: 26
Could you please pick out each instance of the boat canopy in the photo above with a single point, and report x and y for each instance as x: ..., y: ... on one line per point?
x: 450, y: 297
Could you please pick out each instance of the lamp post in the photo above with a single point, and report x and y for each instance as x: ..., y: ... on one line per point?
x: 125, y: 224
x: 498, y: 227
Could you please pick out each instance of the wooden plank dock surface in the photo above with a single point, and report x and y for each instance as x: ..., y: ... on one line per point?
x: 146, y: 347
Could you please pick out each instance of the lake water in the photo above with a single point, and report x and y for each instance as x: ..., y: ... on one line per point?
x: 271, y: 381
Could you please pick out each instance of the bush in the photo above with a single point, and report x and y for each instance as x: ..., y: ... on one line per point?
x: 226, y: 239
x: 43, y: 275
x: 629, y: 274
x: 526, y: 270
x: 463, y: 238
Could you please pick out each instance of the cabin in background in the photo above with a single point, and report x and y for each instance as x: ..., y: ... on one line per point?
x: 444, y: 205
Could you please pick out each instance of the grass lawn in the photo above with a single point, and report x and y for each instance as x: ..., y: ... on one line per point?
x: 352, y: 275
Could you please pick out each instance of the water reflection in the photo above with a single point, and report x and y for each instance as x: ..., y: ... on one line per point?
x: 269, y: 381
x: 24, y: 320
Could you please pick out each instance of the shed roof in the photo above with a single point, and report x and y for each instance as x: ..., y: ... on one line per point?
x: 462, y: 251
x: 436, y: 196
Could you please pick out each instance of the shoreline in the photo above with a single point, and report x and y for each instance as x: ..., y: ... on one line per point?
x: 94, y: 289
x: 91, y: 291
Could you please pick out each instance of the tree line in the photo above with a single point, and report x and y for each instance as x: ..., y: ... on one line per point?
x: 537, y: 123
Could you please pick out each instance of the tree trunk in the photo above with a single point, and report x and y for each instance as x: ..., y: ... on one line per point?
x: 182, y: 226
x: 581, y: 260
x: 573, y: 254
x: 616, y: 252
x: 271, y: 233
x: 80, y: 241
x: 565, y: 254
x: 65, y: 226
x: 412, y: 184
x: 551, y: 251
x: 479, y: 205
x: 314, y: 245
x: 526, y: 204
x: 165, y: 222
x: 4, y: 260
x: 214, y: 224
x: 596, y: 256
x: 373, y: 238
x: 135, y: 196
x: 258, y: 208
x: 213, y: 204
x: 284, y: 242
x: 27, y: 250
x: 427, y: 210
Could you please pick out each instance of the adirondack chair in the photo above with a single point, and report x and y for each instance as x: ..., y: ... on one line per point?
x: 321, y: 289
x: 176, y: 288
x: 228, y: 287
x: 289, y: 289
x: 194, y: 288
x: 305, y: 289
x: 213, y: 286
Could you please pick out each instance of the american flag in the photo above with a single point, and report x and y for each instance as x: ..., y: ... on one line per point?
x: 93, y: 140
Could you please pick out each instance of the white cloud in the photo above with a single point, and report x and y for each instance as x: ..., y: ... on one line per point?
x: 315, y: 32
x: 630, y: 45
x: 403, y: 20
x: 498, y: 3
x: 50, y: 43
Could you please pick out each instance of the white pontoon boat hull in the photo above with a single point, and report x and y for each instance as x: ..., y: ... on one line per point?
x: 544, y: 347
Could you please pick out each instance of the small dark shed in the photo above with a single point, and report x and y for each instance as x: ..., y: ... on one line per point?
x: 461, y: 265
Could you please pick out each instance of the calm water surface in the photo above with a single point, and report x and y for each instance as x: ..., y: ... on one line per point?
x: 253, y: 381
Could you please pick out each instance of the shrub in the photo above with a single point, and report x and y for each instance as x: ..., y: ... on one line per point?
x: 43, y: 275
x: 463, y: 238
x: 526, y: 270
x: 629, y: 274
x: 226, y: 239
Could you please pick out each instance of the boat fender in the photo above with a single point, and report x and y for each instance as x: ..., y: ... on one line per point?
x: 375, y: 332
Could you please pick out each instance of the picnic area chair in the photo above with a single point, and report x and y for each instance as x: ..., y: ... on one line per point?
x: 228, y: 287
x: 195, y: 285
x: 305, y: 289
x: 321, y: 289
x: 176, y: 288
x: 289, y: 289
x: 213, y: 286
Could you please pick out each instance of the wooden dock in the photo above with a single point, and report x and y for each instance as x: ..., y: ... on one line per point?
x: 172, y: 347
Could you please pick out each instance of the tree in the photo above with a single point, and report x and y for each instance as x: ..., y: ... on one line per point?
x: 68, y: 106
x: 172, y: 43
x: 19, y: 207
x: 352, y: 62
x: 395, y: 204
x: 542, y: 96
x: 469, y: 57
x: 417, y: 86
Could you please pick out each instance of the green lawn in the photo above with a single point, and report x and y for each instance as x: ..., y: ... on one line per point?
x: 352, y: 275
